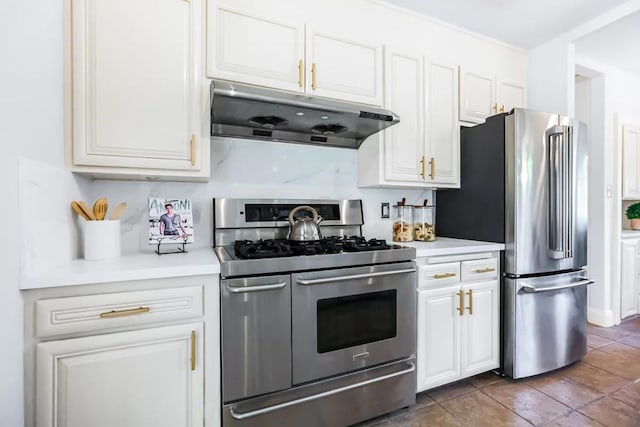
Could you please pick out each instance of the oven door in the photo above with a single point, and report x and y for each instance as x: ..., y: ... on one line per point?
x: 351, y: 318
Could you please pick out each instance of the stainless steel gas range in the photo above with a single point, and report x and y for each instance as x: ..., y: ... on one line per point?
x: 316, y: 332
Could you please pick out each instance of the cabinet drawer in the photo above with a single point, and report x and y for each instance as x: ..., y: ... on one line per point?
x: 59, y: 316
x: 436, y: 275
x: 480, y: 269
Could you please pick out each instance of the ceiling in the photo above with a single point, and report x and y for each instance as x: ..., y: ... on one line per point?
x: 523, y: 23
x: 527, y: 24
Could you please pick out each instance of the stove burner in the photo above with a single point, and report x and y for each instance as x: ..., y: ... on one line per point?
x: 248, y: 249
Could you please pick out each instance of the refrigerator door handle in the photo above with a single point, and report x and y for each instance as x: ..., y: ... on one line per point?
x: 535, y: 289
x: 561, y: 192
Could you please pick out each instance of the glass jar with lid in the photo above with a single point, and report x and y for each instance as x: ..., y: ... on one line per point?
x: 424, y: 222
x: 402, y: 222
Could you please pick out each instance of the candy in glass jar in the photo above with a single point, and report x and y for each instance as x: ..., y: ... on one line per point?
x: 402, y: 223
x: 424, y: 222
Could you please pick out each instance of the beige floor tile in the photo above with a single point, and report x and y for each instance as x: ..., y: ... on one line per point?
x: 572, y: 394
x: 629, y: 395
x: 619, y: 363
x: 479, y: 410
x: 488, y: 378
x: 428, y: 416
x: 613, y: 333
x: 449, y: 391
x: 597, y: 341
x: 612, y: 413
x: 527, y: 402
x: 595, y: 378
x: 574, y: 419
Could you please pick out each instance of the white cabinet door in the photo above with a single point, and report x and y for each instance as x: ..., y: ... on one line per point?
x: 510, y: 96
x: 253, y: 49
x: 630, y: 162
x: 145, y: 378
x: 442, y: 128
x: 343, y: 69
x: 480, y: 331
x: 477, y: 96
x: 404, y: 95
x: 438, y: 336
x: 135, y: 84
x: 628, y: 278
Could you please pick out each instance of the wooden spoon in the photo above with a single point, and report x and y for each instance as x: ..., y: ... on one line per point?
x: 78, y: 209
x: 100, y: 208
x: 86, y: 210
x: 118, y: 211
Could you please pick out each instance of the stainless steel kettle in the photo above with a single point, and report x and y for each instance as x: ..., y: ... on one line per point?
x: 304, y: 229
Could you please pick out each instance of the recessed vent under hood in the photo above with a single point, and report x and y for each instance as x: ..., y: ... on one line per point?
x: 243, y: 111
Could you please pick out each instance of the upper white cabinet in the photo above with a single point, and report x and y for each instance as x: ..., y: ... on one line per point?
x: 484, y: 94
x: 423, y: 150
x: 245, y: 47
x: 135, y: 88
x: 631, y: 162
x: 256, y: 50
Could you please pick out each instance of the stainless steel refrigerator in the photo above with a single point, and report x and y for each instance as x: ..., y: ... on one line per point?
x: 524, y: 184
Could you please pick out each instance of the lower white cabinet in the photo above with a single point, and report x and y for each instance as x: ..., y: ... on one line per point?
x: 153, y: 377
x: 458, y: 319
x: 629, y: 289
x: 126, y: 354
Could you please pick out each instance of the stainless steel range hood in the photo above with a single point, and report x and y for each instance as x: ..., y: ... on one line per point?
x: 243, y: 111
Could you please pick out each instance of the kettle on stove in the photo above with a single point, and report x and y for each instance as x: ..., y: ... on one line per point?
x: 304, y: 229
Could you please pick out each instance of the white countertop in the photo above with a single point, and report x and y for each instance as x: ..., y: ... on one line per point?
x: 630, y: 234
x: 448, y: 246
x: 196, y: 262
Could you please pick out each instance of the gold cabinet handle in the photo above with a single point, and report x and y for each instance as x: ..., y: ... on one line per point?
x: 300, y: 72
x: 193, y: 350
x: 432, y: 165
x: 193, y: 149
x: 502, y: 108
x: 495, y: 108
x: 423, y: 166
x: 470, y: 308
x: 443, y: 275
x: 124, y: 313
x: 485, y: 270
x: 460, y: 303
x: 313, y: 76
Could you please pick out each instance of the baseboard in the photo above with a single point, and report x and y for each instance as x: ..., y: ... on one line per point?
x: 600, y: 317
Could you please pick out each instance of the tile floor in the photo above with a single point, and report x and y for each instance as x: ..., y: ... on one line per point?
x: 601, y: 390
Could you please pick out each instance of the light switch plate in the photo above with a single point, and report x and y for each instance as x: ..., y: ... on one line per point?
x: 384, y: 210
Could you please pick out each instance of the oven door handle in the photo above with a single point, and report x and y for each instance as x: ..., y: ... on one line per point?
x: 534, y: 289
x: 353, y: 277
x: 251, y: 414
x: 243, y: 289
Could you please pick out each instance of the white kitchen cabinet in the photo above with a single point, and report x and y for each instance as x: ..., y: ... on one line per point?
x: 245, y: 47
x: 138, y: 353
x: 253, y: 49
x: 423, y: 150
x: 485, y: 94
x: 631, y: 162
x: 629, y: 278
x: 137, y: 106
x: 458, y: 319
x: 152, y: 378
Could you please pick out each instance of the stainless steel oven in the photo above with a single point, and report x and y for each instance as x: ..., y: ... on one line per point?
x: 351, y: 318
x: 318, y: 333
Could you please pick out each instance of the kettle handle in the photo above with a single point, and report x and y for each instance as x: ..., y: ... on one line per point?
x: 304, y: 207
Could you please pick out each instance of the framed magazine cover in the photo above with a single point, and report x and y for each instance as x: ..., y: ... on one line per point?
x: 170, y: 221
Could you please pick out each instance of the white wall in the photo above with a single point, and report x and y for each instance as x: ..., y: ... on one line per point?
x: 30, y: 125
x: 550, y: 77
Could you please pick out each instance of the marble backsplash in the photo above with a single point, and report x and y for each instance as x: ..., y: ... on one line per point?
x: 255, y: 169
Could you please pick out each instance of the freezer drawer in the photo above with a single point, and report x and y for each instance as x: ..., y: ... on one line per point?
x: 545, y: 323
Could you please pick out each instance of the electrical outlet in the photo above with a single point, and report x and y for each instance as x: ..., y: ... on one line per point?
x: 384, y: 210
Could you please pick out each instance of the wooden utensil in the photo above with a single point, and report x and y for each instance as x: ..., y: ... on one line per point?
x: 86, y: 210
x: 118, y: 211
x: 100, y: 208
x: 78, y: 209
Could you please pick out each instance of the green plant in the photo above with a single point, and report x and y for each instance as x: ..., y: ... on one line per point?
x: 633, y: 211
